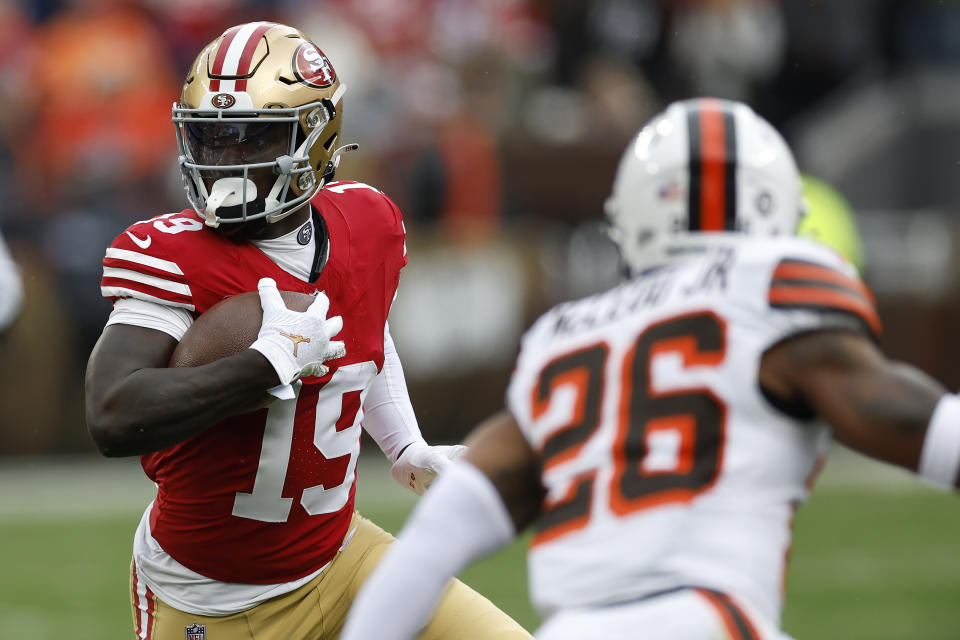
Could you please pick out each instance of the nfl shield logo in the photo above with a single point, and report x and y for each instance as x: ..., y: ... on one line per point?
x: 197, y: 632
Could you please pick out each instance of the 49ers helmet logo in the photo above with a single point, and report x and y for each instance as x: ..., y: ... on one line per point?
x: 223, y: 101
x: 312, y: 67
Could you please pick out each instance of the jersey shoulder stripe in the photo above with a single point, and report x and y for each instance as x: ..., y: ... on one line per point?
x: 113, y: 273
x: 802, y: 284
x: 143, y: 259
x: 132, y: 274
x: 112, y: 290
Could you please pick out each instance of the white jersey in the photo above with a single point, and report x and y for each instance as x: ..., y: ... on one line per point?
x: 664, y: 462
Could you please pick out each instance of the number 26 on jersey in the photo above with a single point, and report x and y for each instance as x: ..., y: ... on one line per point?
x: 667, y: 446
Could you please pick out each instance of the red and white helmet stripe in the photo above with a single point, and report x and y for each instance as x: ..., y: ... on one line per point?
x: 234, y: 55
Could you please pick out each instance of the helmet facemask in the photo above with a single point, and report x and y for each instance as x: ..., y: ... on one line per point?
x: 243, y: 166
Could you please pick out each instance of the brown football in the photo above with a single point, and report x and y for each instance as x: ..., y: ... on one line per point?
x: 228, y: 327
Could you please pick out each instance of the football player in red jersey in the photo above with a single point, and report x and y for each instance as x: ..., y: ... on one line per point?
x: 253, y: 533
x: 660, y: 435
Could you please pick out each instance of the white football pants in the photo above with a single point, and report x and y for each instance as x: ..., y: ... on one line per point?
x: 687, y: 614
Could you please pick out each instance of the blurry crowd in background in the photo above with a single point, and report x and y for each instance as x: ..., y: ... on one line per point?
x: 496, y: 125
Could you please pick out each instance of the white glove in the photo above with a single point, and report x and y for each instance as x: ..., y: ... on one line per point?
x: 420, y: 463
x: 296, y: 344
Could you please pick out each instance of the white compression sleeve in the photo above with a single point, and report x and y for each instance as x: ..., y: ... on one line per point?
x: 940, y: 457
x: 460, y: 519
x: 151, y: 315
x: 11, y: 287
x: 387, y: 412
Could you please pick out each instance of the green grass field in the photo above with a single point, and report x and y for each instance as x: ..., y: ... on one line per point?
x: 876, y: 555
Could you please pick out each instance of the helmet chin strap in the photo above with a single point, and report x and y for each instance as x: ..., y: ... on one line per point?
x: 273, y: 198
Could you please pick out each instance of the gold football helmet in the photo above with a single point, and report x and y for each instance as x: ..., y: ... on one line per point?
x: 257, y: 124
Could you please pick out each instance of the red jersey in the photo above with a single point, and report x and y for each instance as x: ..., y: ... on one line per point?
x: 266, y: 497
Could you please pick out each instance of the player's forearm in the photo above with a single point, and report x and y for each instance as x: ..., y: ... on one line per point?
x: 153, y: 408
x: 876, y: 406
x: 882, y: 412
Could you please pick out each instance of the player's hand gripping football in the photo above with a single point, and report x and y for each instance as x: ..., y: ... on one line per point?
x: 420, y: 463
x: 296, y: 344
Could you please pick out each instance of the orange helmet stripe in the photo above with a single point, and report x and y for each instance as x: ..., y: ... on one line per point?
x: 711, y: 201
x: 713, y: 184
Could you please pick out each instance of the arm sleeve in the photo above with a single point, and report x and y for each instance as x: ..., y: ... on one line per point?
x: 11, y: 287
x: 461, y: 519
x: 387, y: 412
x: 940, y: 456
x: 151, y: 315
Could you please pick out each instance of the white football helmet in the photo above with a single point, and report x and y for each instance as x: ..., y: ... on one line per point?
x: 697, y: 172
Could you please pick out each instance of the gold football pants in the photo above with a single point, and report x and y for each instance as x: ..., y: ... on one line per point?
x: 318, y: 609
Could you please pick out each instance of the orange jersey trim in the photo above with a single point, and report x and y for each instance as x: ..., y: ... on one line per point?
x: 713, y: 170
x: 800, y: 284
x: 808, y: 271
x: 735, y: 621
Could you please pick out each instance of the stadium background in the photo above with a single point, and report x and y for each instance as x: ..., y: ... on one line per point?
x: 496, y: 125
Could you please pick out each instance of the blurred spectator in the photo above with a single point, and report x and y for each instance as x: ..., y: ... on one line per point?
x: 17, y: 52
x: 99, y: 143
x: 188, y: 25
x: 829, y: 45
x: 627, y: 28
x: 102, y: 87
x: 466, y: 30
x: 724, y: 48
x: 456, y: 181
x: 395, y: 28
x: 432, y: 85
x: 73, y: 244
x: 619, y: 98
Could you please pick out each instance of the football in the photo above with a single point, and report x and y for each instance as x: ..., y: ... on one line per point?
x: 228, y: 327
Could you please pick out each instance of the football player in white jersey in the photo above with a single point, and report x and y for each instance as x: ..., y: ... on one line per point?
x: 659, y: 436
